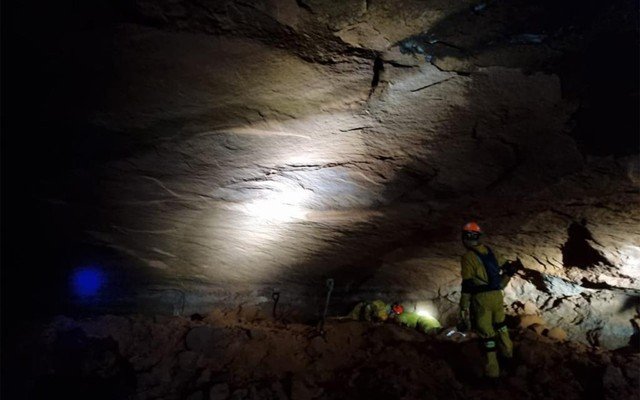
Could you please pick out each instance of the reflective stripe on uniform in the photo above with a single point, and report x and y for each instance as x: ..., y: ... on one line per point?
x: 490, y: 345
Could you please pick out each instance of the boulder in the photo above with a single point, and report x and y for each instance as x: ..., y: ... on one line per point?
x: 528, y: 320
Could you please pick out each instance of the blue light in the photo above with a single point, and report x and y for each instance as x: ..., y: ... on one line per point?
x: 87, y: 281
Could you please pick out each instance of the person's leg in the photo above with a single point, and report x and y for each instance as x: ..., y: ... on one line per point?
x: 484, y: 326
x: 505, y: 346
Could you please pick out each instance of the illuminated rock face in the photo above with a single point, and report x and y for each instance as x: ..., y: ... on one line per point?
x: 270, y: 146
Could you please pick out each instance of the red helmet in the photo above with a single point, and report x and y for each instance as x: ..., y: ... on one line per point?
x: 397, y: 309
x: 472, y: 227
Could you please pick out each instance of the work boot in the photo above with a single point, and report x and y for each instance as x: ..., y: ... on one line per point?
x: 507, y: 366
x: 488, y: 383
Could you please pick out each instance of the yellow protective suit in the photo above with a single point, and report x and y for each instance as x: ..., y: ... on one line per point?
x: 486, y: 308
x: 422, y: 323
x: 376, y: 310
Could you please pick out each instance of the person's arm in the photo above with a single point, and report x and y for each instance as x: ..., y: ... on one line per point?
x: 505, y: 278
x: 467, y: 283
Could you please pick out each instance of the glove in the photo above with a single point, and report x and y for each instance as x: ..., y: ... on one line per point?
x: 464, y: 323
x: 512, y: 267
x: 509, y: 269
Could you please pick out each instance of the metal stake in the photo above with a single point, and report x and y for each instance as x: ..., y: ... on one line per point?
x: 329, y: 284
x: 275, y: 296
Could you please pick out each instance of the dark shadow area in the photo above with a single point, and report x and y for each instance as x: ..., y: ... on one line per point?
x: 596, y: 56
x: 607, y: 121
x: 634, y: 341
x: 378, y: 67
x: 500, y: 24
x: 594, y: 285
x: 85, y: 367
x: 535, y: 278
x: 577, y: 252
x: 631, y: 302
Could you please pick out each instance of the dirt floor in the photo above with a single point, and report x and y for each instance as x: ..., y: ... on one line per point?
x: 243, y: 356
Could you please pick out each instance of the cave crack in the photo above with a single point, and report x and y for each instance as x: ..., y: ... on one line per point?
x: 432, y: 84
x: 378, y: 68
x: 399, y: 65
x: 359, y: 128
x: 543, y: 265
x: 315, y: 167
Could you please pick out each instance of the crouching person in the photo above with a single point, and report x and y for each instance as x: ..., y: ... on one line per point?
x: 379, y: 311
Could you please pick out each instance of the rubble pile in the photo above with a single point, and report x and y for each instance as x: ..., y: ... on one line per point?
x: 228, y: 356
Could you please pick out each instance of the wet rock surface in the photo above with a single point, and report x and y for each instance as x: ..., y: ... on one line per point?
x: 109, y: 357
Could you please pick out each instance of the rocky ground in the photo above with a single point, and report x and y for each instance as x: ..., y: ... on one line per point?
x: 243, y: 355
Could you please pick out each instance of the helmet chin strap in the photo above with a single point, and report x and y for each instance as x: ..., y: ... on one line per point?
x: 470, y: 243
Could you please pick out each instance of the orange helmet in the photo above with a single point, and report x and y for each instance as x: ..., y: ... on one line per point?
x: 397, y: 309
x: 471, y: 233
x: 472, y: 227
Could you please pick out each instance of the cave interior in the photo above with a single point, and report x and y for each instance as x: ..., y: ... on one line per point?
x: 196, y: 192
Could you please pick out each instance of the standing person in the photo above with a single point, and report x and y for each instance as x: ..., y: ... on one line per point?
x: 484, y: 275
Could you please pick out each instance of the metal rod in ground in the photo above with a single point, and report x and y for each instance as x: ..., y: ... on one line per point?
x: 275, y: 296
x: 329, y: 284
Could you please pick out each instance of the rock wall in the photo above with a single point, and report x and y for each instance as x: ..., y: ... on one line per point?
x: 216, y: 152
